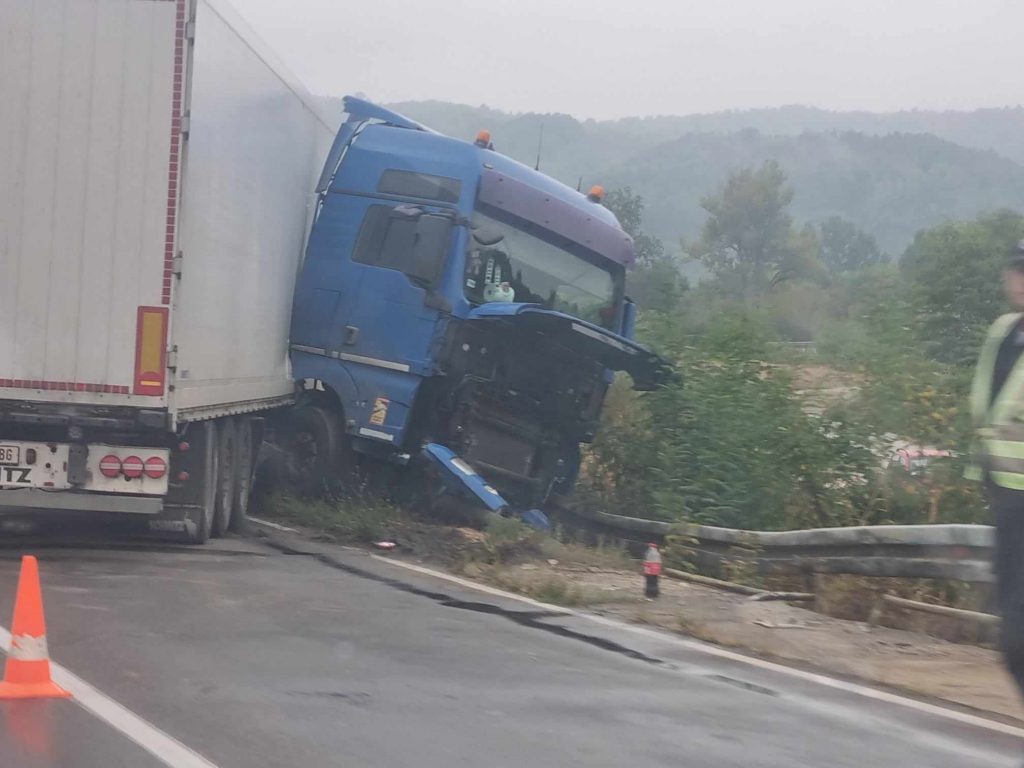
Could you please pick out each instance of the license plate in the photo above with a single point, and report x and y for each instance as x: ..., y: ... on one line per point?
x: 10, y: 454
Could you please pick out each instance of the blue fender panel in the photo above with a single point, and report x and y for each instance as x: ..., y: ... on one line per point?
x: 385, y: 402
x: 458, y: 476
x: 364, y: 391
x: 536, y: 519
x: 310, y: 366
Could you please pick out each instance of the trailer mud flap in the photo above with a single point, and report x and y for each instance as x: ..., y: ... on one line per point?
x: 459, y: 477
x: 174, y: 520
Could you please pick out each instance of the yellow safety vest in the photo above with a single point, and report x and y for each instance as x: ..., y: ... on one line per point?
x: 999, y: 424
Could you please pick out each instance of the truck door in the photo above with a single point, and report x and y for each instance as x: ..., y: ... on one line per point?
x: 397, y: 260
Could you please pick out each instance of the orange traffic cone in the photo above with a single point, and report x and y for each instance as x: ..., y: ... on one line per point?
x: 27, y: 675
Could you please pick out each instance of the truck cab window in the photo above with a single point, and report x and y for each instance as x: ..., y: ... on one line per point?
x: 404, y: 239
x: 425, y: 185
x: 514, y: 260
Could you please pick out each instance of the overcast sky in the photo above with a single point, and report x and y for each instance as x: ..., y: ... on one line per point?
x: 612, y: 58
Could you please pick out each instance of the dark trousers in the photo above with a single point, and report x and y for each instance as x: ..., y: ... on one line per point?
x: 1008, y: 512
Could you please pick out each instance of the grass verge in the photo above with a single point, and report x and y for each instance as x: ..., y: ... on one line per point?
x: 358, y: 518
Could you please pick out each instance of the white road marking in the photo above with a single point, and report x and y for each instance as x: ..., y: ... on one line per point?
x: 162, y: 746
x: 712, y: 650
x: 275, y: 526
x: 474, y: 585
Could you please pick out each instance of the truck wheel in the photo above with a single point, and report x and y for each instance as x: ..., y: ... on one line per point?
x: 244, y: 465
x: 200, y: 520
x: 311, y: 450
x: 227, y: 475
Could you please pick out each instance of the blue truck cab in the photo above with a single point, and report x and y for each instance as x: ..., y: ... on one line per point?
x: 460, y: 311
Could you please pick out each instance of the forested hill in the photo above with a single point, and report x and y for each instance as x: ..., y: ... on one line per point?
x: 890, y: 186
x: 1001, y: 130
x: 891, y: 174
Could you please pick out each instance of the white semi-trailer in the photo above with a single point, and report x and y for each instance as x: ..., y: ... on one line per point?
x: 156, y: 175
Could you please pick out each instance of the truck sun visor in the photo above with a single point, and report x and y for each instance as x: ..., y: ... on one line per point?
x: 562, y: 218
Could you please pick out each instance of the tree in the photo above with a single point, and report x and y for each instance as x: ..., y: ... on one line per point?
x: 727, y: 444
x: 952, y: 273
x: 748, y: 241
x: 655, y: 282
x: 845, y: 248
x: 904, y: 394
x: 628, y: 208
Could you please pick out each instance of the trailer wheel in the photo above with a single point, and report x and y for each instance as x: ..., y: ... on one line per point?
x: 201, y: 515
x: 311, y: 450
x: 227, y: 475
x: 244, y: 469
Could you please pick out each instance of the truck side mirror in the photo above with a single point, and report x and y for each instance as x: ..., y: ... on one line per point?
x: 629, y: 318
x: 430, y: 248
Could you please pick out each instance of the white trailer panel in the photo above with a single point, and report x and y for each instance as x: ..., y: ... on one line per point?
x: 87, y: 95
x: 256, y: 143
x: 112, y: 110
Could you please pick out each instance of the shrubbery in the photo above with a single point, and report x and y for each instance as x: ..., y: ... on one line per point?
x: 732, y: 443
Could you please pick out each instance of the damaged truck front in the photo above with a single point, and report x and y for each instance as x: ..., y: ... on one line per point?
x: 457, y: 312
x: 189, y: 283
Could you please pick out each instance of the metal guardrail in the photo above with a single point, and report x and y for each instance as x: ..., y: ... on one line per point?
x: 956, y: 552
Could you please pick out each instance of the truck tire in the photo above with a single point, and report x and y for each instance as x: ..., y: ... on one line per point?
x: 245, y: 462
x: 200, y: 522
x: 311, y: 445
x: 227, y: 475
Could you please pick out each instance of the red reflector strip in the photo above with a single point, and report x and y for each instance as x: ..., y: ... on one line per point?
x: 150, y: 346
x: 132, y: 466
x: 155, y: 467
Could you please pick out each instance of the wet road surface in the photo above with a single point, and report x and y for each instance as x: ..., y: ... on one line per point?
x: 254, y: 658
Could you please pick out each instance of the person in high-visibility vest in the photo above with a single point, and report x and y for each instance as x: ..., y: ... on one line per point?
x: 997, y: 409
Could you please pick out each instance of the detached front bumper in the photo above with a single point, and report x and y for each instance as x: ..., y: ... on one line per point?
x: 460, y: 478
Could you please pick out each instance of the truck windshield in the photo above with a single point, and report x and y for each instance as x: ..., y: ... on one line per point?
x: 515, y: 260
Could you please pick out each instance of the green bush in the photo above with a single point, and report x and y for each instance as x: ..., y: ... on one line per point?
x: 358, y: 517
x: 728, y: 444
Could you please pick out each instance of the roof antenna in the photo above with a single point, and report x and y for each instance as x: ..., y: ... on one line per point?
x: 579, y: 185
x: 540, y: 145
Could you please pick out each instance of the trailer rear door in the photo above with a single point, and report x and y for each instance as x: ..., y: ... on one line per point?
x: 91, y: 94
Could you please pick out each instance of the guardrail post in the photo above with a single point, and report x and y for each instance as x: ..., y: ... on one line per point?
x: 877, y: 611
x: 818, y: 589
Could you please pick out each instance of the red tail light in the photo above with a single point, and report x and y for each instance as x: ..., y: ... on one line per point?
x: 155, y: 467
x: 132, y: 467
x: 110, y: 466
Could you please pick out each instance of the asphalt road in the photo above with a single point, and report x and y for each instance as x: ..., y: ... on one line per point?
x: 256, y: 658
